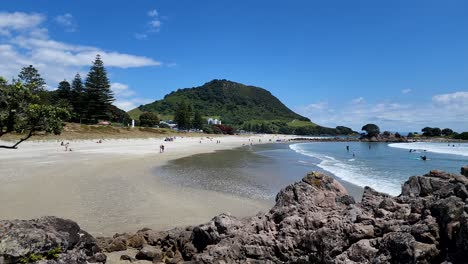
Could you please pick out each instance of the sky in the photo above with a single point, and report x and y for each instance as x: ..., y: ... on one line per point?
x: 402, y: 65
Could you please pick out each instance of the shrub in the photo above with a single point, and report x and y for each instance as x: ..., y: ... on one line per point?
x: 149, y: 119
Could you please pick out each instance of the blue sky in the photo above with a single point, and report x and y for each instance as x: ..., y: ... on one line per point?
x: 400, y: 64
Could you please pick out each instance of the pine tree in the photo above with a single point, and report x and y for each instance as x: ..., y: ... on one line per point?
x: 78, y: 98
x: 31, y: 79
x: 64, y: 91
x: 182, y: 116
x: 98, y: 93
x: 197, y: 120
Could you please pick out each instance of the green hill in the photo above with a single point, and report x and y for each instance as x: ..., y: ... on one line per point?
x: 232, y: 102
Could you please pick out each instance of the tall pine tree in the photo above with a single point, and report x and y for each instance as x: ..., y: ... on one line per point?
x: 98, y: 93
x: 31, y: 79
x: 78, y: 100
x: 64, y: 91
x: 182, y: 116
x: 198, y: 121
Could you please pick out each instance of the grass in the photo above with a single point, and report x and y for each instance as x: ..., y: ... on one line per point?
x: 135, y: 113
x: 77, y: 131
x: 298, y: 123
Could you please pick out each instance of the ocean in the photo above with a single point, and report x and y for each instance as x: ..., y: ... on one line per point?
x: 260, y: 171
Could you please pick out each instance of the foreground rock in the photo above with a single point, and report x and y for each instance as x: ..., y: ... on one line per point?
x: 47, y: 240
x: 313, y: 221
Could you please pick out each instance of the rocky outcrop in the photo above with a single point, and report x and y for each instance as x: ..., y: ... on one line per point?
x: 316, y: 221
x: 47, y: 240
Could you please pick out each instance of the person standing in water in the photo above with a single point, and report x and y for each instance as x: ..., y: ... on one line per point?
x: 347, y: 148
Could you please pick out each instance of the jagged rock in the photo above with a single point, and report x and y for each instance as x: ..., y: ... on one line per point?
x: 149, y: 253
x: 464, y: 171
x: 55, y: 240
x: 118, y: 244
x: 136, y: 241
x: 128, y: 258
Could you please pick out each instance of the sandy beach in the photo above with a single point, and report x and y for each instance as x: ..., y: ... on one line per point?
x: 111, y: 187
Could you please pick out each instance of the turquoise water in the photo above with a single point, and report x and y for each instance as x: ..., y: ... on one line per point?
x: 383, y: 166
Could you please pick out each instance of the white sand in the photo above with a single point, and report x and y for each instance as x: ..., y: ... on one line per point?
x: 111, y: 187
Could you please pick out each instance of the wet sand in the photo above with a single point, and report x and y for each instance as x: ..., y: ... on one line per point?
x: 258, y: 172
x: 112, y: 187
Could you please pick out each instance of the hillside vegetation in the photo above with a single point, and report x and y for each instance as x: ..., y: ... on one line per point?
x: 233, y: 102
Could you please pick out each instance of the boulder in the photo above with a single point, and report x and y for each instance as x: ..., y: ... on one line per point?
x: 52, y: 239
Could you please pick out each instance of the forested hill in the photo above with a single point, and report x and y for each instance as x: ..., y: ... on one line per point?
x: 232, y: 102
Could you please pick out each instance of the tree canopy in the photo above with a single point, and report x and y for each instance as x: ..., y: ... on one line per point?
x: 149, y: 119
x: 22, y: 112
x: 31, y: 79
x: 372, y: 130
x: 431, y: 132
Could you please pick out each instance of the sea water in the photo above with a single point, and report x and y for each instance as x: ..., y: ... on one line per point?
x: 260, y: 171
x: 382, y: 166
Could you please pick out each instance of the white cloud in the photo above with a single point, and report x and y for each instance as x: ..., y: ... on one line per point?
x: 121, y: 89
x: 452, y: 100
x: 67, y: 21
x: 27, y: 42
x: 19, y: 21
x: 153, y: 13
x: 124, y: 97
x: 406, y: 91
x: 445, y: 110
x: 128, y: 104
x: 154, y: 25
x: 358, y: 100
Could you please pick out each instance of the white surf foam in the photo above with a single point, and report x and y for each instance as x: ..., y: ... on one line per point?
x: 460, y: 149
x: 353, y: 172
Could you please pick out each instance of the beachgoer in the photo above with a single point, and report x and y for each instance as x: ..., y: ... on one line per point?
x: 61, y: 144
x: 347, y: 148
x: 424, y: 157
x: 162, y: 148
x: 354, y: 154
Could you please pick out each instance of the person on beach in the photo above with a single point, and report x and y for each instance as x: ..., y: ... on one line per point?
x: 424, y: 157
x: 354, y: 154
x: 66, y: 146
x: 347, y: 148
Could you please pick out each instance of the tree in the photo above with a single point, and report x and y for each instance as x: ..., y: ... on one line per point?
x: 149, y: 119
x: 463, y: 135
x: 342, y: 130
x: 182, y: 116
x: 31, y: 79
x: 436, y: 132
x: 372, y: 130
x: 22, y: 112
x: 431, y: 132
x: 198, y: 121
x: 64, y: 91
x: 447, y: 132
x: 98, y: 93
x: 78, y: 101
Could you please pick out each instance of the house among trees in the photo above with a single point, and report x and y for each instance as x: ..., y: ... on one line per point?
x: 212, y: 121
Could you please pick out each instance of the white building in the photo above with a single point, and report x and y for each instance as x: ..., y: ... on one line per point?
x: 212, y: 121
